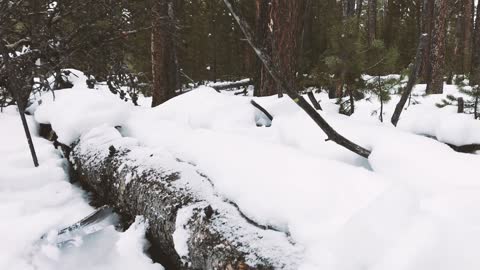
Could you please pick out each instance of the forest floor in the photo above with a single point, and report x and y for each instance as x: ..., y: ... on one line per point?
x: 414, y: 204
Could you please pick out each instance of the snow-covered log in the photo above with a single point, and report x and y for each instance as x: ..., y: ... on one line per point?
x: 190, y: 225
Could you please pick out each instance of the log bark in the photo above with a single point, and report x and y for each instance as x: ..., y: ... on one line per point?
x: 173, y: 196
x: 412, y: 79
x: 290, y: 89
x: 468, y: 7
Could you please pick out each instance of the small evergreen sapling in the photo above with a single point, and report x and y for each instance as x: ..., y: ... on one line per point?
x: 381, y: 87
x: 473, y: 91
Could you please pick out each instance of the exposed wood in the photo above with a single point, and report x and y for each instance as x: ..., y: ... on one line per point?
x: 332, y: 134
x: 412, y: 79
x: 468, y: 11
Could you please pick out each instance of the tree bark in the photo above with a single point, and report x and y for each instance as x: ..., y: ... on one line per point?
x: 412, y: 79
x: 290, y: 90
x: 164, y: 63
x: 427, y: 26
x: 287, y: 19
x: 468, y: 8
x: 437, y: 54
x: 264, y: 85
x: 173, y: 195
x: 372, y: 21
x: 475, y: 76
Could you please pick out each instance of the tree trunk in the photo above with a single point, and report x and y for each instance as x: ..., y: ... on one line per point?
x: 282, y: 83
x: 427, y: 27
x: 437, y: 54
x: 287, y: 23
x: 372, y: 21
x: 467, y: 38
x: 174, y: 196
x: 475, y: 78
x: 412, y: 79
x: 264, y: 85
x: 164, y: 63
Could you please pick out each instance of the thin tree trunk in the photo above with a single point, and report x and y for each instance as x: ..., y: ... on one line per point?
x: 437, y: 54
x: 372, y: 21
x: 475, y: 78
x: 164, y: 67
x: 412, y: 79
x: 467, y: 38
x: 291, y: 92
x: 29, y: 137
x: 427, y: 26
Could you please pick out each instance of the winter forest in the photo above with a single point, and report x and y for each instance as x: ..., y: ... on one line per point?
x: 239, y: 134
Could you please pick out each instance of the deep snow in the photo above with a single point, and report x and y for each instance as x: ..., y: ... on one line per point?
x: 413, y: 204
x: 36, y: 202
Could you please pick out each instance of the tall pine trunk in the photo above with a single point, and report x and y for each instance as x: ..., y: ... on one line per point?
x: 427, y: 27
x: 264, y: 85
x: 287, y: 23
x: 372, y: 21
x: 437, y: 54
x: 164, y: 63
x: 476, y: 50
x: 468, y: 7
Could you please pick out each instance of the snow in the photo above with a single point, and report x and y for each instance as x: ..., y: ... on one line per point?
x: 412, y: 205
x: 36, y: 202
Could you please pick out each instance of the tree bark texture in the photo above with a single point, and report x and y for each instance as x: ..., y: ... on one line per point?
x: 437, y: 55
x: 372, y: 21
x: 476, y: 50
x: 174, y: 195
x: 468, y: 11
x: 164, y: 63
x: 427, y: 27
x: 287, y: 18
x: 264, y: 85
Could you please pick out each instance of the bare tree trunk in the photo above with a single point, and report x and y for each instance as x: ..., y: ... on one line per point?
x: 287, y: 22
x: 468, y: 7
x: 29, y: 136
x: 412, y: 79
x: 427, y: 26
x: 264, y: 85
x: 437, y: 54
x: 290, y: 90
x: 372, y: 21
x: 164, y: 68
x: 475, y: 78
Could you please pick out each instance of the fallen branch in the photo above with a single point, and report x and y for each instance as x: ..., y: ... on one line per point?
x: 314, y: 101
x: 290, y: 89
x: 263, y: 110
x: 232, y: 85
x: 412, y: 79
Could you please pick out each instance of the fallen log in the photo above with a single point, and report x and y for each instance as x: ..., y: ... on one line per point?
x: 232, y: 85
x: 190, y: 225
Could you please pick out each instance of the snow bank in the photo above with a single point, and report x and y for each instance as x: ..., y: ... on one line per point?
x: 35, y: 201
x: 412, y: 205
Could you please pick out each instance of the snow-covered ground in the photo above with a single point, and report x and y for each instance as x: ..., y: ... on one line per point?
x: 36, y: 202
x: 414, y: 204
